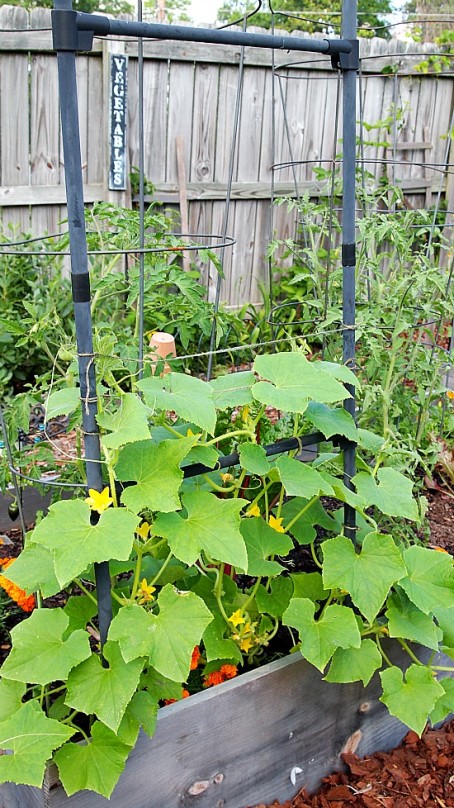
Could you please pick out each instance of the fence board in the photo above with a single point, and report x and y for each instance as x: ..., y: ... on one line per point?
x: 190, y: 91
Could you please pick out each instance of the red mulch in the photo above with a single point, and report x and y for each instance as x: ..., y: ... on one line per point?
x: 417, y: 774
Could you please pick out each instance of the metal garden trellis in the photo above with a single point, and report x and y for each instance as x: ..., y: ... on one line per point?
x: 74, y: 31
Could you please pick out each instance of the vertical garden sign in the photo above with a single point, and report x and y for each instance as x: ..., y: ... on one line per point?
x: 117, y: 124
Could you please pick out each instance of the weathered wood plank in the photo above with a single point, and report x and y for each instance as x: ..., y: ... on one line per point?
x: 204, y: 130
x: 14, y: 196
x: 180, y: 116
x: 14, y: 117
x: 18, y: 195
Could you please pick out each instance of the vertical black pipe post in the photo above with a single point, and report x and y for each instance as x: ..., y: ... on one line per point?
x: 350, y: 66
x: 66, y: 44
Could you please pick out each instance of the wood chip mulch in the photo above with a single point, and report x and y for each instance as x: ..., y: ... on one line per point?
x: 418, y: 773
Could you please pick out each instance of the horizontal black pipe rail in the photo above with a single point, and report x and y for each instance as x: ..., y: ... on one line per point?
x: 103, y: 26
x: 224, y: 461
x: 280, y: 447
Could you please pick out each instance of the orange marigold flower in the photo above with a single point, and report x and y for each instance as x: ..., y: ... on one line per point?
x: 450, y: 394
x: 217, y: 677
x: 185, y: 694
x: 214, y: 678
x: 26, y: 602
x: 195, y: 658
x: 229, y: 671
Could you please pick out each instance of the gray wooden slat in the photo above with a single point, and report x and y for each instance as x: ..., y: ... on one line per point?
x: 35, y: 195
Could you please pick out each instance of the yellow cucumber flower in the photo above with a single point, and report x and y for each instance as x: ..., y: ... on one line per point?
x: 145, y: 593
x: 143, y: 530
x: 236, y: 618
x: 246, y: 644
x: 254, y: 510
x: 97, y: 501
x: 276, y: 524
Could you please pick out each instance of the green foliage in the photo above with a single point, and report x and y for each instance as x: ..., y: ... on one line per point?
x: 175, y: 10
x: 202, y: 565
x: 102, y: 6
x: 35, y: 312
x: 403, y: 312
x: 312, y: 17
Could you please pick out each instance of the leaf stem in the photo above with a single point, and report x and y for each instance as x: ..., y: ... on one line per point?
x: 84, y: 589
x: 233, y: 434
x: 385, y: 657
x: 300, y: 513
x: 410, y: 653
x: 252, y: 595
x: 314, y: 556
x: 135, y: 584
x: 220, y: 488
x: 162, y: 568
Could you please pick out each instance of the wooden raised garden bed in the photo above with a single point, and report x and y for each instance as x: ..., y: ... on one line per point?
x: 256, y: 738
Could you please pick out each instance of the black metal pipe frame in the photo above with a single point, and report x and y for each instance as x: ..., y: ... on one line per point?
x: 349, y: 30
x: 72, y: 32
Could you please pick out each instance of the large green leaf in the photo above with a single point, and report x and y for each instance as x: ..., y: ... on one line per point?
x: 158, y: 688
x: 313, y: 514
x: 331, y: 421
x: 232, y: 390
x: 168, y: 638
x: 104, y: 690
x: 127, y: 424
x: 206, y: 455
x: 33, y: 571
x: 75, y: 543
x: 62, y: 402
x: 430, y: 581
x: 27, y: 740
x: 276, y: 601
x: 144, y: 709
x: 263, y: 541
x: 291, y: 381
x: 253, y: 459
x: 217, y: 646
x: 340, y: 372
x: 413, y: 698
x: 80, y: 609
x: 309, y: 585
x: 342, y: 493
x: 211, y: 524
x: 355, y: 664
x: 300, y: 480
x: 407, y: 621
x: 190, y: 398
x: 179, y: 626
x: 367, y: 576
x: 39, y: 653
x: 96, y: 765
x: 156, y: 470
x: 370, y: 441
x: 11, y: 694
x: 319, y: 638
x: 392, y: 495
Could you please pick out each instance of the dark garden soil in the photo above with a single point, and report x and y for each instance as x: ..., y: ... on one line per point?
x: 419, y: 772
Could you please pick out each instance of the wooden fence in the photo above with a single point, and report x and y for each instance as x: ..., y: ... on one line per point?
x: 190, y: 93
